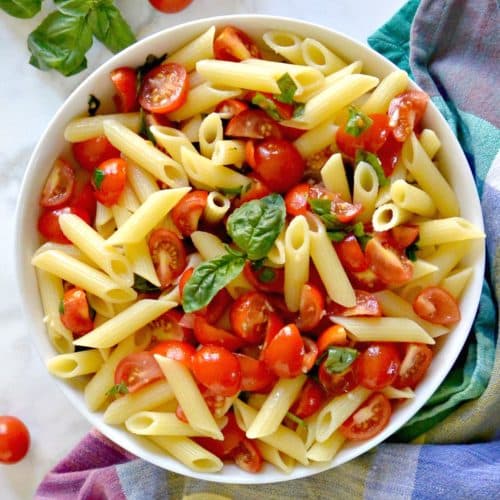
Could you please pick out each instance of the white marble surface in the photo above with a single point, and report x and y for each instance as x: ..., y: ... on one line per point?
x: 28, y: 99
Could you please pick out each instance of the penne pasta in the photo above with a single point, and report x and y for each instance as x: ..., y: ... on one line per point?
x: 75, y: 364
x: 216, y: 208
x: 334, y: 177
x: 210, y: 132
x: 393, y: 84
x: 199, y: 48
x: 82, y: 129
x: 326, y: 450
x: 285, y: 44
x: 439, y: 231
x: 316, y: 55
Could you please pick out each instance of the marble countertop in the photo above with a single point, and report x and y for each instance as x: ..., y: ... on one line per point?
x: 28, y: 100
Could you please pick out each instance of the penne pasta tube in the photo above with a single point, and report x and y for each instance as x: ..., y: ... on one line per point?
x: 191, y: 126
x: 100, y: 306
x: 172, y: 140
x: 75, y: 364
x: 210, y: 132
x: 280, y: 460
x: 391, y: 392
x: 390, y: 86
x: 229, y: 152
x: 216, y: 208
x: 82, y: 129
x: 315, y: 140
x: 412, y: 198
x: 325, y: 451
x: 388, y: 216
x: 456, y: 282
x: 285, y: 44
x: 365, y: 189
x: 334, y: 177
x: 316, y: 55
x: 199, y: 48
x: 276, y: 256
x: 439, y: 231
x: 430, y: 142
x: 143, y: 183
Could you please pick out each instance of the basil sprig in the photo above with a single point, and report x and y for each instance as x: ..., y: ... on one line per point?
x: 357, y: 122
x: 338, y: 359
x: 373, y: 160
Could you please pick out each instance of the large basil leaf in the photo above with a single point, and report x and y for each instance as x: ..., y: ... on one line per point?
x: 255, y: 226
x: 21, y: 8
x: 208, y: 278
x: 77, y: 7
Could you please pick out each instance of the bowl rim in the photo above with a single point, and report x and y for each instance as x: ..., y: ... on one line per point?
x: 25, y: 272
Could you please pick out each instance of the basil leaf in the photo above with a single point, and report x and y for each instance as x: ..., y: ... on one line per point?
x: 374, y: 161
x: 320, y: 206
x: 338, y: 359
x: 266, y: 275
x: 93, y: 105
x: 358, y: 229
x: 23, y: 9
x: 411, y: 251
x: 110, y: 28
x: 358, y: 122
x: 208, y: 278
x: 117, y: 389
x: 145, y: 130
x: 299, y: 110
x: 78, y: 8
x: 60, y: 43
x: 255, y: 226
x: 287, y: 87
x: 267, y: 105
x: 98, y: 177
x: 231, y: 191
x: 336, y: 236
x: 143, y: 285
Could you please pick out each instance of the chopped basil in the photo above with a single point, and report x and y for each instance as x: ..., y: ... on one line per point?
x: 98, y: 177
x: 287, y: 87
x: 232, y: 191
x: 150, y: 62
x: 145, y: 130
x: 374, y: 161
x: 338, y: 359
x: 336, y: 236
x: 93, y: 106
x: 323, y: 208
x: 117, y: 389
x: 61, y: 307
x: 357, y: 123
x: 143, y: 285
x: 266, y: 275
x: 23, y: 9
x: 299, y: 110
x: 296, y: 419
x: 358, y: 229
x: 267, y: 105
x: 411, y: 251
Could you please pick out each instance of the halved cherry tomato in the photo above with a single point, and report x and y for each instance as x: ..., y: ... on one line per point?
x: 333, y: 335
x: 91, y: 153
x: 336, y: 383
x: 249, y: 315
x: 405, y: 112
x: 109, y: 181
x: 344, y: 211
x: 351, y: 254
x: 14, y: 439
x: 137, y: 370
x: 175, y: 349
x: 366, y: 280
x: 255, y: 375
x: 186, y: 214
x: 233, y: 44
x: 377, y: 366
x: 290, y: 133
x: 164, y: 88
x: 253, y: 124
x: 285, y: 352
x: 75, y: 314
x: 255, y: 191
x: 231, y: 107
x: 250, y: 153
x: 247, y: 456
x: 366, y: 305
x: 389, y: 154
x: 369, y: 419
x: 168, y: 255
x: 391, y: 266
x: 217, y: 369
x: 125, y: 81
x: 84, y: 199
x: 186, y: 274
x: 170, y: 6
x: 59, y: 185
x: 404, y: 235
x: 274, y: 325
x: 437, y: 305
x: 278, y: 164
x: 310, y: 400
x: 205, y: 333
x: 414, y: 366
x: 48, y: 223
x: 297, y: 199
x: 311, y: 308
x: 265, y: 279
x: 166, y: 327
x: 217, y: 306
x: 310, y: 354
x: 267, y: 102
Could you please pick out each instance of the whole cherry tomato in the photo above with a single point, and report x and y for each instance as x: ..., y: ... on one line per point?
x: 285, y: 353
x: 91, y: 153
x: 170, y: 6
x: 48, y: 223
x: 14, y: 439
x: 175, y: 349
x: 109, y: 180
x: 377, y: 366
x: 125, y: 81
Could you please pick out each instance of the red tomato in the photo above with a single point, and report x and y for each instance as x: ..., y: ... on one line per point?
x: 265, y: 279
x: 351, y: 254
x: 278, y: 164
x: 336, y: 383
x: 166, y: 327
x: 256, y: 190
x: 366, y: 305
x: 217, y: 369
x: 414, y: 366
x: 186, y: 214
x: 297, y: 199
x: 249, y: 315
x: 285, y: 352
x: 231, y: 107
x: 164, y: 88
x: 310, y: 354
x: 274, y: 325
x: 232, y: 44
x: 217, y: 306
x: 247, y: 457
x: 377, y: 366
x: 14, y: 439
x: 310, y: 400
x: 290, y: 133
x: 369, y: 419
x: 109, y: 181
x: 404, y: 235
x: 255, y: 375
x: 366, y: 280
x: 405, y: 112
x: 233, y: 435
x: 333, y: 335
x: 389, y: 154
x: 125, y: 81
x: 268, y: 103
x: 137, y: 370
x: 205, y: 333
x: 253, y: 124
x: 344, y: 211
x: 187, y: 273
x: 91, y: 153
x: 170, y: 6
x: 59, y: 185
x: 390, y: 266
x: 168, y: 255
x: 84, y: 199
x: 175, y: 349
x: 75, y: 315
x: 48, y: 223
x: 437, y: 305
x: 311, y: 309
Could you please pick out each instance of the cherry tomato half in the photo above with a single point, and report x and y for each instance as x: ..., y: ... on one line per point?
x: 84, y: 199
x: 125, y: 81
x: 170, y: 6
x: 415, y: 363
x: 249, y: 315
x: 137, y: 370
x: 166, y: 327
x: 75, y: 314
x: 311, y: 308
x: 91, y: 153
x: 231, y: 107
x: 14, y: 439
x: 59, y: 185
x: 205, y: 333
x: 255, y: 375
x: 175, y: 349
x: 168, y: 255
x: 285, y: 352
x: 310, y: 400
x: 377, y: 366
x: 336, y: 383
x: 265, y: 279
x: 247, y: 456
x: 253, y: 124
x: 366, y: 305
x: 186, y: 214
x: 297, y: 199
x: 48, y: 223
x: 437, y: 305
x: 351, y: 254
x: 333, y: 335
x: 405, y: 112
x: 233, y: 44
x: 109, y: 181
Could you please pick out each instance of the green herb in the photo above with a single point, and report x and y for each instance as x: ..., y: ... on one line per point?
x: 411, y: 251
x: 208, y: 278
x: 234, y: 251
x: 358, y: 230
x: 357, y: 123
x: 287, y: 88
x: 336, y: 236
x: 266, y: 275
x: 267, y: 105
x: 98, y: 177
x: 338, y: 359
x: 117, y: 389
x: 151, y: 62
x: 296, y: 419
x: 374, y: 161
x: 61, y: 307
x: 299, y: 110
x: 323, y: 208
x: 93, y: 105
x: 255, y: 226
x: 143, y: 285
x: 23, y: 9
x: 145, y: 130
x: 232, y: 191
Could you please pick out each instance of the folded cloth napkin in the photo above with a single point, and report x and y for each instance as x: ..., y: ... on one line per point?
x: 451, y: 49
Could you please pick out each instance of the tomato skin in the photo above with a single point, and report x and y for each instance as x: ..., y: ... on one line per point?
x: 311, y: 309
x: 59, y: 185
x: 91, y: 153
x: 253, y: 124
x: 274, y: 325
x: 175, y: 349
x: 76, y: 315
x: 333, y: 335
x: 255, y: 375
x: 84, y: 199
x: 351, y: 254
x: 205, y: 333
x: 186, y: 214
x: 233, y: 435
x: 310, y: 354
x: 125, y: 81
x: 389, y: 154
x: 137, y: 370
x: 345, y: 212
x: 217, y: 369
x: 247, y: 457
x: 366, y: 305
x: 14, y: 439
x: 404, y: 235
x: 359, y: 426
x: 310, y: 400
x: 405, y: 112
x: 168, y: 255
x: 377, y: 366
x: 170, y: 6
x: 231, y: 107
x: 233, y: 44
x: 164, y: 88
x: 109, y: 181
x: 278, y: 164
x: 217, y: 306
x: 265, y: 279
x: 414, y: 366
x: 256, y: 191
x: 249, y: 314
x: 436, y: 305
x: 336, y: 384
x: 166, y: 327
x: 48, y: 223
x: 367, y: 281
x: 296, y: 200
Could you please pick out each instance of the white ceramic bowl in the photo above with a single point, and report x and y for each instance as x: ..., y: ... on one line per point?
x: 52, y: 143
